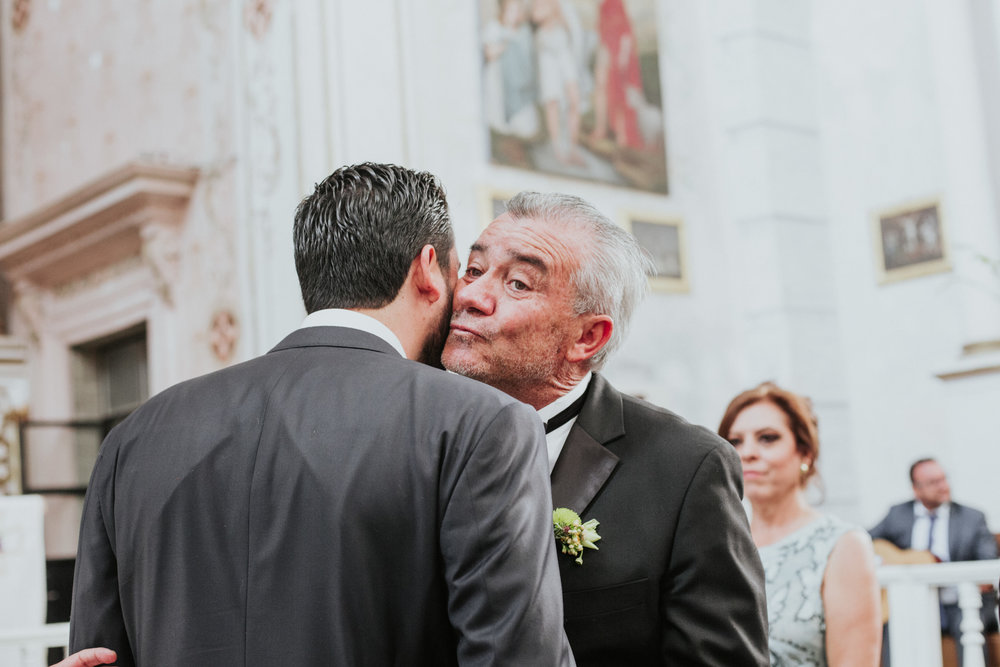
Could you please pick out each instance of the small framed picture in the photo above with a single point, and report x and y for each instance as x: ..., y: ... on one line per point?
x: 663, y: 239
x: 492, y: 204
x: 910, y: 241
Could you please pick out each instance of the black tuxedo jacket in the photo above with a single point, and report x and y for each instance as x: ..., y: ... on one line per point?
x: 677, y: 579
x: 329, y: 503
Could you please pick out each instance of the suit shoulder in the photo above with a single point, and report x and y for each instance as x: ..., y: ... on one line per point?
x: 971, y: 511
x: 643, y: 419
x: 901, y: 508
x: 462, y: 390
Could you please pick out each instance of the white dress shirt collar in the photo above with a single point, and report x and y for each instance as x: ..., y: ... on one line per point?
x: 556, y: 439
x: 340, y: 317
x: 921, y: 511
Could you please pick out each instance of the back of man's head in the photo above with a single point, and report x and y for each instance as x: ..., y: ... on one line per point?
x: 612, y: 275
x: 356, y: 235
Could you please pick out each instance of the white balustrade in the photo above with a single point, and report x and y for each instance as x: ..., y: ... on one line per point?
x: 32, y: 641
x: 914, y: 612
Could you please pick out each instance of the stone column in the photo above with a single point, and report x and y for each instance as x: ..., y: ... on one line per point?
x: 778, y: 226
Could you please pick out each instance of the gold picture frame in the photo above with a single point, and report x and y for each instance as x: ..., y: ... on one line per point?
x: 573, y: 88
x: 663, y: 237
x: 910, y: 241
x: 492, y: 203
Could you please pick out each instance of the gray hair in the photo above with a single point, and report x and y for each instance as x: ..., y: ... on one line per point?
x: 612, y: 276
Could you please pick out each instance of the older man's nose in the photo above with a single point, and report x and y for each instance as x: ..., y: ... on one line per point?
x: 474, y: 296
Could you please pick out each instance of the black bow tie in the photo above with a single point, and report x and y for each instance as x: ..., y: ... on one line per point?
x: 568, y: 413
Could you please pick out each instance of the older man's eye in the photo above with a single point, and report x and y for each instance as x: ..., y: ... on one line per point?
x: 518, y: 285
x: 473, y: 272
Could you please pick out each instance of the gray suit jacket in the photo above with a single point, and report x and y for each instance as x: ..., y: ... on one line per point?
x: 329, y: 503
x: 969, y: 538
x: 677, y: 579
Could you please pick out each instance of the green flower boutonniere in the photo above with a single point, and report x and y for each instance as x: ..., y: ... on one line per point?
x: 572, y: 535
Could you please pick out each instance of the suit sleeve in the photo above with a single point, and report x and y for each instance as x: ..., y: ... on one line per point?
x: 881, y: 531
x: 986, y: 543
x: 96, y: 613
x: 713, y: 605
x: 505, y: 600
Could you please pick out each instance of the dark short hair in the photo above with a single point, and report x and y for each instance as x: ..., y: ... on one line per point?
x: 797, y: 409
x: 356, y: 235
x: 913, y: 468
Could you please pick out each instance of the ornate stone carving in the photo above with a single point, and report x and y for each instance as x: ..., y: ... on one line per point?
x: 161, y: 252
x: 29, y: 302
x: 224, y: 335
x: 19, y: 14
x: 257, y: 16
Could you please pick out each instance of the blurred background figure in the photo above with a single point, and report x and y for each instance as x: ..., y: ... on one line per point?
x: 950, y: 531
x: 509, y: 72
x: 617, y: 74
x: 822, y: 595
x: 559, y: 78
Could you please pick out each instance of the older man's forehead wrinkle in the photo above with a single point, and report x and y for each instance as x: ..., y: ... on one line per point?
x: 532, y: 260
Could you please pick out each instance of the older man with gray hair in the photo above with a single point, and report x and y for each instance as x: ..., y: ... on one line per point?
x: 547, y: 294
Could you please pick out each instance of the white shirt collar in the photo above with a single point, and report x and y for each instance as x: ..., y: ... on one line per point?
x: 352, y: 319
x: 564, y: 401
x: 555, y: 440
x: 921, y: 511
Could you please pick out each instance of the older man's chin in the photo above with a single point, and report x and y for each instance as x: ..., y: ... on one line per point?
x: 452, y: 359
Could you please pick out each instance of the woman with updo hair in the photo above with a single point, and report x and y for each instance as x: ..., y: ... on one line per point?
x: 822, y: 594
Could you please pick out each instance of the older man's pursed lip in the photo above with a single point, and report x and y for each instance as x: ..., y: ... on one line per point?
x: 460, y: 330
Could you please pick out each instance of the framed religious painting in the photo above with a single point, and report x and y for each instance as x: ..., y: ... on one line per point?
x: 663, y: 239
x: 572, y: 87
x: 910, y: 241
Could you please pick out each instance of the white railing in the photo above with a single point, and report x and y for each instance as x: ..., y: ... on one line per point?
x: 914, y: 613
x: 35, y: 639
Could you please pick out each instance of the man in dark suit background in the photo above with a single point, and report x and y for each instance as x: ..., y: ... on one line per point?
x: 952, y: 532
x: 548, y: 291
x: 330, y: 502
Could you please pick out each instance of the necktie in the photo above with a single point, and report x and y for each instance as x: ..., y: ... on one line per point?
x: 568, y: 413
x: 930, y: 543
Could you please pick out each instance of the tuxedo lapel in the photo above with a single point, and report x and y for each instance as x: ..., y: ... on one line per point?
x: 910, y: 518
x: 585, y: 464
x: 580, y: 471
x: 956, y: 527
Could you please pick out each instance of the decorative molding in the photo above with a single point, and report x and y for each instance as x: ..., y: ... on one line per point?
x: 29, y: 303
x: 257, y: 16
x: 978, y: 358
x: 224, y: 334
x: 96, y: 225
x: 981, y: 346
x: 19, y: 14
x: 161, y: 249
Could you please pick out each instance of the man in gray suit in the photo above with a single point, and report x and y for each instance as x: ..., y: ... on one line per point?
x: 952, y: 532
x: 331, y: 502
x: 547, y: 294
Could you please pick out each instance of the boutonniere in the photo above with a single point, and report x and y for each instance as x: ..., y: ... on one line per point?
x: 572, y: 535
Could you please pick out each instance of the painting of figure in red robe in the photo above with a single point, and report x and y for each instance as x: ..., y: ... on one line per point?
x: 572, y: 87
